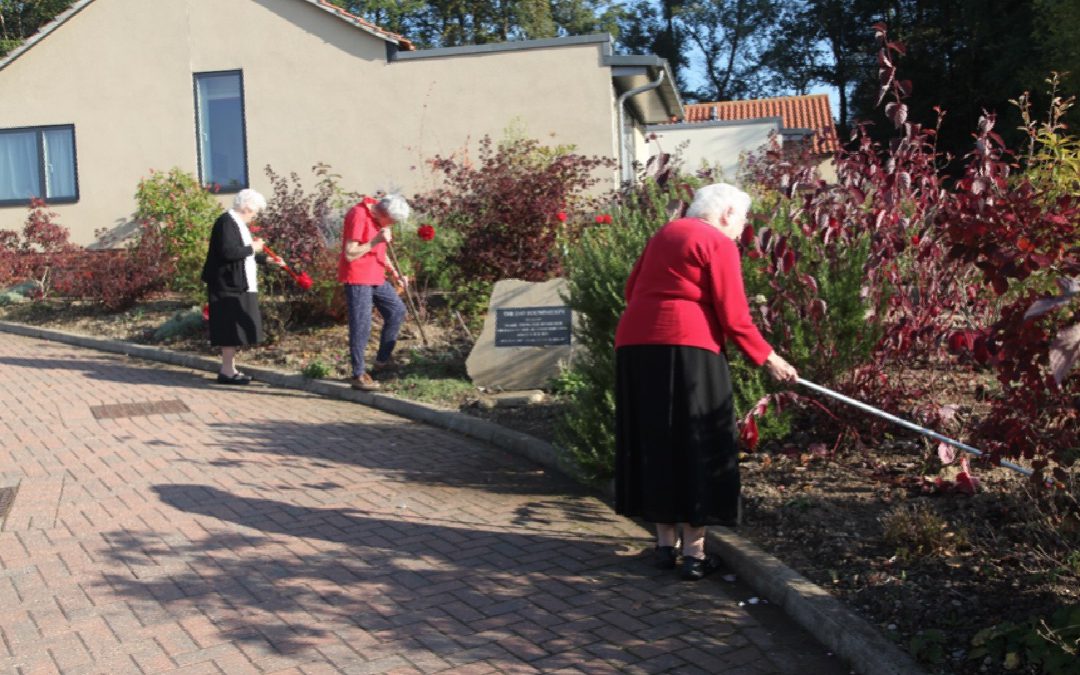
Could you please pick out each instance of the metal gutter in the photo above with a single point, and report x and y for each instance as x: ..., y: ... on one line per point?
x: 710, y: 124
x: 514, y: 46
x: 669, y: 94
x: 626, y: 174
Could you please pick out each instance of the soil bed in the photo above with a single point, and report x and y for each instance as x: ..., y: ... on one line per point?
x: 930, y: 565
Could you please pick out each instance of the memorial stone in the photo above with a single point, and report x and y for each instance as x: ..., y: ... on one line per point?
x: 527, y: 336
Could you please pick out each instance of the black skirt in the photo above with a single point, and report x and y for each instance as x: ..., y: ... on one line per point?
x: 676, y: 440
x: 235, y: 320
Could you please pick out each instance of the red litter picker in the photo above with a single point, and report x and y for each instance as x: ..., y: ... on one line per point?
x: 908, y: 425
x: 302, y: 279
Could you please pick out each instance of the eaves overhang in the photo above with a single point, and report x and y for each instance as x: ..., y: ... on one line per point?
x: 655, y: 106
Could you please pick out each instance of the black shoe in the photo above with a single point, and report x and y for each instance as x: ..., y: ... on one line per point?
x: 694, y: 569
x: 238, y: 378
x: 664, y: 557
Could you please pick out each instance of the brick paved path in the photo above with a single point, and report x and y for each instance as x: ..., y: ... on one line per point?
x: 265, y: 530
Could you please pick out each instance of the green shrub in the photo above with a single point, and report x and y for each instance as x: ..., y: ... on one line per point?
x: 1050, y: 642
x: 316, y: 370
x: 1053, y: 157
x: 428, y: 264
x: 12, y: 298
x: 184, y: 212
x: 823, y: 345
x: 929, y: 645
x: 184, y: 323
x: 598, y: 264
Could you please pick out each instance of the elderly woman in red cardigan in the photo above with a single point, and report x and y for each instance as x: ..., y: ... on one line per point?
x: 676, y: 462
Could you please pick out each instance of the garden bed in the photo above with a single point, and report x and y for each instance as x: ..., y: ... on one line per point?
x: 927, y: 563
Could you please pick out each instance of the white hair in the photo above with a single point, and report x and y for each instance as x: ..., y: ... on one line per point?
x: 249, y: 199
x: 395, y: 206
x: 712, y: 202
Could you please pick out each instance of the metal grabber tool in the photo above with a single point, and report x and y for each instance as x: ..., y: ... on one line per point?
x: 908, y: 425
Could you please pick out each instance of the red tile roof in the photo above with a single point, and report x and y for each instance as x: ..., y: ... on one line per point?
x: 361, y: 22
x: 797, y: 112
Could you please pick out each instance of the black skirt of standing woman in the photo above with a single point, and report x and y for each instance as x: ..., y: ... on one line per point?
x: 677, y: 458
x: 235, y: 320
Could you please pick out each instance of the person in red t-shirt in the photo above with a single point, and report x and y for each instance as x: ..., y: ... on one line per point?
x: 676, y: 460
x: 362, y: 267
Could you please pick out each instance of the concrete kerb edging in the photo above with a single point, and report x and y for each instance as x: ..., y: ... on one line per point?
x: 835, y: 626
x: 811, y: 606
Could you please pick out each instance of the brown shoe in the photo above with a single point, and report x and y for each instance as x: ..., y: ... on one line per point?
x: 384, y: 367
x: 364, y: 383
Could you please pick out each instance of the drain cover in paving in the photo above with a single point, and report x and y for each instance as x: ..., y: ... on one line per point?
x: 7, y: 498
x: 139, y: 409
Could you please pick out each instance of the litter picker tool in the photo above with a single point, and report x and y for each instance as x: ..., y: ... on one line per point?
x: 408, y: 294
x: 908, y: 425
x: 302, y: 279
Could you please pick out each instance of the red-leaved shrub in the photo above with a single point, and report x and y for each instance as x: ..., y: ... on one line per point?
x: 939, y: 252
x: 510, y: 207
x: 118, y: 279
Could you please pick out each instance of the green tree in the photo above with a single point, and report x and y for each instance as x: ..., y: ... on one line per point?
x: 1057, y: 35
x: 583, y: 17
x: 19, y: 19
x: 827, y: 42
x: 398, y: 16
x: 647, y: 27
x: 452, y: 23
x: 963, y: 56
x: 730, y: 36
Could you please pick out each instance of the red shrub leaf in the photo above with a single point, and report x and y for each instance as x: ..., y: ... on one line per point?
x: 749, y: 433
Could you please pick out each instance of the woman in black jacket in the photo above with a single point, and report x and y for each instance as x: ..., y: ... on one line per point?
x: 230, y: 278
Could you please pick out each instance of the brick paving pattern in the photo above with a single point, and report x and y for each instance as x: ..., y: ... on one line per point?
x: 272, y: 531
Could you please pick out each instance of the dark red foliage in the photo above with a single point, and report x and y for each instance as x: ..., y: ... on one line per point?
x: 41, y: 253
x: 295, y: 221
x: 938, y: 255
x: 511, y: 206
x: 41, y: 233
x: 303, y: 230
x: 120, y: 278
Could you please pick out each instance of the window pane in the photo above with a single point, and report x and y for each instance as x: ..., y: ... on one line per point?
x: 60, y: 164
x: 19, y: 164
x: 221, y: 130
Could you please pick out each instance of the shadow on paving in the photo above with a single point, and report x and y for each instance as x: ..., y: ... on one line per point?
x: 406, y: 453
x: 123, y: 369
x: 465, y: 594
x: 535, y: 580
x: 111, y: 368
x: 399, y: 452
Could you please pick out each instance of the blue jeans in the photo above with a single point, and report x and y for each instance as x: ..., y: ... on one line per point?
x: 359, y: 299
